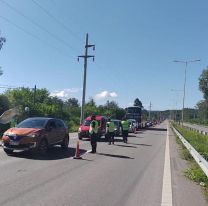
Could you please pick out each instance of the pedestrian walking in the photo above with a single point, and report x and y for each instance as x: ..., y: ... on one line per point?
x: 125, y: 129
x: 110, y: 131
x: 93, y: 133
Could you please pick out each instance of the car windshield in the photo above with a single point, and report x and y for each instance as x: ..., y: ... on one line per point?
x: 32, y: 123
x: 87, y: 123
x: 116, y: 123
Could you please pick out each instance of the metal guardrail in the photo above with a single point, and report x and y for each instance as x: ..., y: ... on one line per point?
x: 198, y: 158
x: 201, y: 131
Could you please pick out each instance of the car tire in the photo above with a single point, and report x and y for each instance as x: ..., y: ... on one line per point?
x: 43, y: 147
x: 65, y: 142
x: 79, y: 136
x: 8, y: 151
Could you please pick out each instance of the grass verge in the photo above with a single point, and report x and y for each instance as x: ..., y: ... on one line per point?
x: 194, y: 172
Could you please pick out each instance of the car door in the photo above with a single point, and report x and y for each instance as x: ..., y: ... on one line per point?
x: 51, y: 131
x: 60, y: 130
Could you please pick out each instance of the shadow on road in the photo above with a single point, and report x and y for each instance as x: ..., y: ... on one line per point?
x: 147, y: 145
x: 117, y: 156
x: 53, y: 153
x: 119, y: 145
x: 156, y: 129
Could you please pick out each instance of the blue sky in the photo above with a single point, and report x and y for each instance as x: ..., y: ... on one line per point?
x: 136, y: 43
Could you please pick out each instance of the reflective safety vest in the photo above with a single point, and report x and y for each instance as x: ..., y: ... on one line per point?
x: 110, y: 127
x: 125, y: 125
x: 95, y: 128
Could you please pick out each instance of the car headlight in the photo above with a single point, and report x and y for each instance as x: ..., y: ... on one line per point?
x: 32, y: 135
x: 79, y: 130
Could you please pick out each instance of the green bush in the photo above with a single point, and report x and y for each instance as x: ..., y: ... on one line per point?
x: 3, y: 128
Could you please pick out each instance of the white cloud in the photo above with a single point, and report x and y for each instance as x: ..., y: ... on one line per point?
x: 105, y: 95
x: 65, y: 93
x: 130, y: 104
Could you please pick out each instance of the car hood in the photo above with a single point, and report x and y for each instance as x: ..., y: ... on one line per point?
x: 21, y: 131
x: 85, y: 128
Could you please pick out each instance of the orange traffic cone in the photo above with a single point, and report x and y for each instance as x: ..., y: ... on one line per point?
x: 77, y: 155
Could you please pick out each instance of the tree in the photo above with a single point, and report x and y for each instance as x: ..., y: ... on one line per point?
x: 203, y: 109
x: 4, y: 104
x: 72, y: 102
x: 203, y: 83
x: 138, y: 103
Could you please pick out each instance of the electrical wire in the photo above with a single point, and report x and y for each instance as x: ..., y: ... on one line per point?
x: 38, y: 25
x: 56, y: 19
x: 34, y: 36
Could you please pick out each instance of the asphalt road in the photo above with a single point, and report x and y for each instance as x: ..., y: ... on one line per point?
x: 118, y: 175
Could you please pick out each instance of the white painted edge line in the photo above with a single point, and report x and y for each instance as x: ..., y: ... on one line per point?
x: 167, y: 187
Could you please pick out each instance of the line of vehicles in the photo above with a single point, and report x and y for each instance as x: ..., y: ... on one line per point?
x: 39, y: 133
x: 133, y: 114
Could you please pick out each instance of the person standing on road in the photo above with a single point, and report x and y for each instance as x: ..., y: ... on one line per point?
x: 110, y: 131
x: 93, y: 133
x: 125, y: 129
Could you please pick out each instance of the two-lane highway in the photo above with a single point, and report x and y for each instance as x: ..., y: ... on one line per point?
x: 118, y: 175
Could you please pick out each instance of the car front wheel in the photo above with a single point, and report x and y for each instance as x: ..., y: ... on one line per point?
x: 79, y: 136
x: 65, y: 142
x: 43, y: 147
x: 8, y: 151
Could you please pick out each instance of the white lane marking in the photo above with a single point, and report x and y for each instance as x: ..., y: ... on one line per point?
x: 167, y: 187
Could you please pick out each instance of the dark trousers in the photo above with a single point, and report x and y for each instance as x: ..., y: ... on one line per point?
x: 93, y: 141
x: 110, y: 136
x: 125, y: 135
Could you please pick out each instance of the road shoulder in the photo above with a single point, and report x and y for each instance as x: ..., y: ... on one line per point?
x: 184, y: 191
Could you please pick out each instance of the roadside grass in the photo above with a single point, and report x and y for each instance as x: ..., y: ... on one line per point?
x: 198, y: 141
x: 194, y: 172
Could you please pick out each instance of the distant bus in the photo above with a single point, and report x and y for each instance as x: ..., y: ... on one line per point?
x: 135, y: 112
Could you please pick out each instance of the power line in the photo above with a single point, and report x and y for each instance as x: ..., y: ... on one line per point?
x: 56, y: 19
x: 34, y: 36
x: 38, y: 25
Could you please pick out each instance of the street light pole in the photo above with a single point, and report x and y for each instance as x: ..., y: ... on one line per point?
x: 184, y: 87
x: 176, y: 105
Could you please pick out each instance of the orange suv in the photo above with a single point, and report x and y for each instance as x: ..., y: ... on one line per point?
x: 37, y: 134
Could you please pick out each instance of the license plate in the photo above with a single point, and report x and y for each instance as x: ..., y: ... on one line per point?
x: 13, y: 143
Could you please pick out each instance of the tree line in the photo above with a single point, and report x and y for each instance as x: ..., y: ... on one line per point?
x: 40, y: 103
x: 198, y: 114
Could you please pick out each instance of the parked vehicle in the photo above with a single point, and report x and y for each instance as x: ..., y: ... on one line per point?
x: 118, y: 129
x: 37, y: 134
x: 84, y: 128
x: 136, y: 113
x: 132, y: 125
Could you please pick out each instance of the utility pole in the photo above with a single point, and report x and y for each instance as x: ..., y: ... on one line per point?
x: 86, y: 56
x: 150, y: 111
x: 2, y: 41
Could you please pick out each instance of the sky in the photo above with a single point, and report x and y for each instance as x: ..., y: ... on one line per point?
x: 136, y: 42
